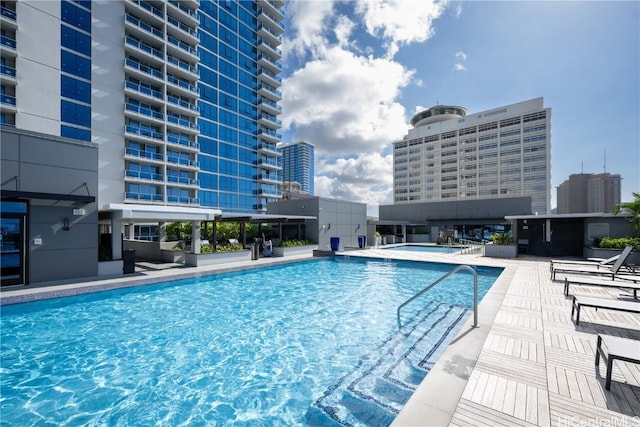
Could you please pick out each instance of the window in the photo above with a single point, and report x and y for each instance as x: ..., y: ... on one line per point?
x: 76, y: 40
x: 75, y: 16
x: 76, y: 65
x: 76, y: 113
x: 76, y: 89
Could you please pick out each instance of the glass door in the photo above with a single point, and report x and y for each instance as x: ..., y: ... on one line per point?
x: 12, y: 246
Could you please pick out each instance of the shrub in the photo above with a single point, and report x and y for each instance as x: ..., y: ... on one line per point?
x: 290, y: 243
x: 596, y: 242
x: 619, y: 243
x: 502, y: 239
x: 230, y: 248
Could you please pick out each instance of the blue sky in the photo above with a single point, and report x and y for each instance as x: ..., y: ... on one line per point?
x: 356, y: 71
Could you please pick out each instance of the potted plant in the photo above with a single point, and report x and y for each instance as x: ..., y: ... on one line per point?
x: 502, y: 246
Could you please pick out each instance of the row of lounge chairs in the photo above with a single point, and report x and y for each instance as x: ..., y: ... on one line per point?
x: 601, y: 273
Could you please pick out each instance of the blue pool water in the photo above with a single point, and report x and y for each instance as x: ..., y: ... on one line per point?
x: 424, y: 248
x: 310, y: 343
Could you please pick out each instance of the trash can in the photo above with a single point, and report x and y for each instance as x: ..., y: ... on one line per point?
x: 255, y: 250
x: 362, y: 242
x: 335, y: 243
x: 128, y: 261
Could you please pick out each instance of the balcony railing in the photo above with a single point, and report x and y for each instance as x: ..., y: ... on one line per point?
x: 143, y: 154
x: 182, y: 64
x: 143, y: 89
x: 7, y: 70
x: 182, y: 161
x: 144, y: 68
x: 271, y: 119
x: 270, y: 133
x: 143, y: 132
x: 270, y: 90
x: 7, y: 99
x: 8, y: 13
x: 271, y: 104
x: 182, y: 84
x: 144, y: 111
x: 182, y: 103
x: 184, y: 27
x: 144, y: 47
x: 182, y: 180
x: 147, y: 6
x: 145, y: 175
x: 143, y: 196
x: 184, y: 8
x: 8, y: 41
x: 182, y: 45
x: 182, y: 122
x: 183, y: 200
x: 182, y: 140
x: 144, y: 26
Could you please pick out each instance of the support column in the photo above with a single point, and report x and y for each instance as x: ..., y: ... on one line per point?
x: 132, y: 229
x: 214, y: 233
x: 196, y: 241
x: 117, y: 230
x: 162, y: 231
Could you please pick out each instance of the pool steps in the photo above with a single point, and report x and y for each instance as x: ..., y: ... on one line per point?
x: 384, y: 379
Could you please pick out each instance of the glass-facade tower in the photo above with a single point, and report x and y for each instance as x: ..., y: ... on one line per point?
x: 181, y: 96
x: 297, y: 165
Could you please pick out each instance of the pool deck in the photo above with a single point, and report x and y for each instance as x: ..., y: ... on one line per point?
x: 527, y: 364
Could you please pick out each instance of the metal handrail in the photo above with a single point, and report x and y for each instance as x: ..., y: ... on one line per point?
x: 455, y: 270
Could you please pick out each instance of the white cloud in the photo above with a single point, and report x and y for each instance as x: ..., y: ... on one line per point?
x: 459, y: 67
x: 345, y: 103
x: 367, y: 178
x: 400, y: 22
x: 460, y: 54
x: 458, y: 10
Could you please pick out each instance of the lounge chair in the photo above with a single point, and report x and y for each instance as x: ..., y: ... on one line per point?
x: 604, y: 271
x: 586, y: 281
x: 609, y: 304
x: 617, y: 348
x: 590, y: 262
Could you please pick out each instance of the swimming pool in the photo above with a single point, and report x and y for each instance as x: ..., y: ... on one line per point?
x: 307, y: 343
x: 424, y: 248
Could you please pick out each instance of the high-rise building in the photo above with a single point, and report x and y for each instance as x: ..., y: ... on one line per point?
x: 297, y: 165
x: 180, y: 96
x: 589, y: 193
x: 450, y: 155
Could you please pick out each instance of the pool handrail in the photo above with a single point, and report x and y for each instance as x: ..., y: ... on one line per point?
x: 455, y: 270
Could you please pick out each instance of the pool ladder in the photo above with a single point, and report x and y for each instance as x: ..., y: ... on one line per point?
x: 455, y: 270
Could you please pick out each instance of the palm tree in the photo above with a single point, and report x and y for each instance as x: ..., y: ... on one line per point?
x: 631, y: 210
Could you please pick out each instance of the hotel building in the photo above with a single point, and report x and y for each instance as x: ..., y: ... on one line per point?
x: 589, y: 193
x: 181, y: 97
x: 451, y: 155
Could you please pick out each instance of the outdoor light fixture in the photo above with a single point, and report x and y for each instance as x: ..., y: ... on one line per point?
x: 65, y: 224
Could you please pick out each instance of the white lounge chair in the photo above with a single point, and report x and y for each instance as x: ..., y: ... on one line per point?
x: 586, y: 281
x: 616, y: 348
x: 589, y: 262
x: 608, y: 304
x: 602, y: 271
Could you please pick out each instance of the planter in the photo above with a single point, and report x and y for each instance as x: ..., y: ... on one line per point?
x: 173, y: 256
x: 197, y: 260
x: 335, y: 243
x: 500, y: 251
x: 110, y: 268
x: 280, y: 251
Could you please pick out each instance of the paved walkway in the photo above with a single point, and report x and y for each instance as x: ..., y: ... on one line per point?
x: 527, y: 364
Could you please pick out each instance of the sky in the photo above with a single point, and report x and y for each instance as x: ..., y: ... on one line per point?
x: 354, y: 72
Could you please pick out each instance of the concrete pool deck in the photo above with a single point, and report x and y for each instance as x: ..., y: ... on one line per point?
x: 526, y: 364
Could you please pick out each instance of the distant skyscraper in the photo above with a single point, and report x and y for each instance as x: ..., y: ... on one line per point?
x: 297, y: 165
x: 587, y: 193
x: 449, y: 155
x: 181, y: 96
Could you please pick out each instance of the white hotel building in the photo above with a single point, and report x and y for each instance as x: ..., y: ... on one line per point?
x: 450, y: 155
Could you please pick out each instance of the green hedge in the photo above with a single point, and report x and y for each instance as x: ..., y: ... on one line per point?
x: 619, y: 243
x: 289, y: 243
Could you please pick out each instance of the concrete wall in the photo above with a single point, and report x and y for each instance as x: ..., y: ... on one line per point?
x: 54, y: 165
x: 475, y: 211
x: 336, y: 218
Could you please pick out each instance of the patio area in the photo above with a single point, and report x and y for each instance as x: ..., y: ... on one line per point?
x: 527, y: 364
